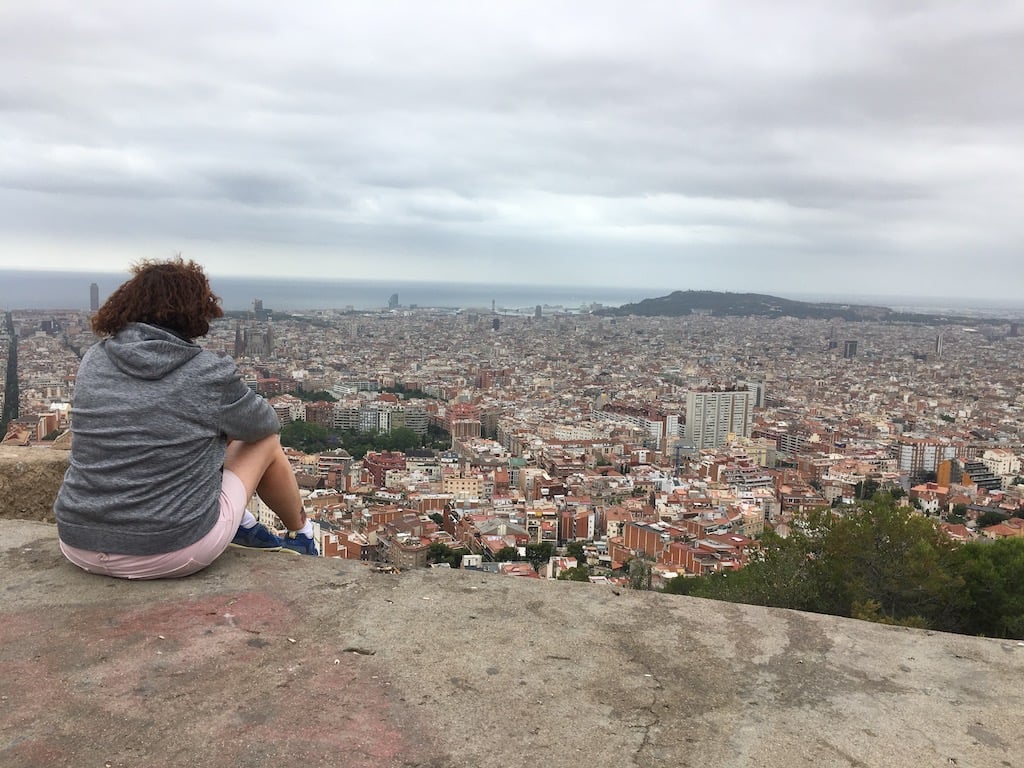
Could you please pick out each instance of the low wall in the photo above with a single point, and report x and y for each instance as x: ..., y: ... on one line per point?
x: 29, y: 479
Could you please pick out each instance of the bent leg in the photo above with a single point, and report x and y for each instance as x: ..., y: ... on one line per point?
x: 180, y: 562
x: 264, y: 469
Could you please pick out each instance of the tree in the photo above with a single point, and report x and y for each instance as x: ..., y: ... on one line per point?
x: 680, y: 585
x: 401, y: 439
x: 992, y: 574
x: 639, y: 574
x: 438, y: 437
x: 878, y: 562
x: 439, y: 552
x: 579, y: 573
x: 320, y: 395
x: 891, y: 556
x: 575, y: 549
x: 783, y: 572
x: 538, y: 554
x: 958, y: 516
x: 506, y: 555
x: 305, y: 437
x: 991, y: 517
x: 437, y: 517
x: 883, y: 563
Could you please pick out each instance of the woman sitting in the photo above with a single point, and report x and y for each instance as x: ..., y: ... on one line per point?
x: 168, y: 443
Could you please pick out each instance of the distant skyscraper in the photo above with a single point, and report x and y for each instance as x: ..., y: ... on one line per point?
x: 938, y: 344
x: 537, y: 312
x: 849, y: 349
x: 393, y: 301
x: 94, y: 297
x: 712, y: 415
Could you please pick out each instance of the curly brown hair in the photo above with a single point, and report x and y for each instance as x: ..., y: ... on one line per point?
x: 173, y: 294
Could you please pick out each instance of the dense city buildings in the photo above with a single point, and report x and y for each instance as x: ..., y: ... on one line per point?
x: 677, y: 441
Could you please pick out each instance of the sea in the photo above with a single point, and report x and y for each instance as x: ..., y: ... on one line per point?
x: 49, y: 289
x: 28, y: 289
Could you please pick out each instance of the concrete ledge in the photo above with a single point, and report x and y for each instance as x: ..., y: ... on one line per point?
x: 29, y: 479
x: 276, y: 660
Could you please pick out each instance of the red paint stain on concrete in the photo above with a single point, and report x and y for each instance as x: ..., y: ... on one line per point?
x: 212, y: 681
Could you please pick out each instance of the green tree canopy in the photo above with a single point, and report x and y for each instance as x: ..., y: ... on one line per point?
x: 401, y: 439
x: 579, y: 573
x: 506, y: 555
x: 894, y: 557
x: 575, y: 549
x: 992, y: 574
x: 538, y: 554
x: 991, y: 517
x: 439, y: 552
x: 877, y: 561
x: 316, y: 397
x: 305, y: 437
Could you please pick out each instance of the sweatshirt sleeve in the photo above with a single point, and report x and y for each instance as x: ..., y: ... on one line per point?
x: 244, y: 415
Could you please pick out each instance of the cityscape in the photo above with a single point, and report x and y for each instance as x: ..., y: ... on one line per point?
x: 651, y: 376
x: 560, y: 443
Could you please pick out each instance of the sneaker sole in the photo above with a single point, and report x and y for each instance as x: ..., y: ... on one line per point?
x: 256, y: 549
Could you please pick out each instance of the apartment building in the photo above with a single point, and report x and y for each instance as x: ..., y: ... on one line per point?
x: 917, y: 456
x: 713, y: 414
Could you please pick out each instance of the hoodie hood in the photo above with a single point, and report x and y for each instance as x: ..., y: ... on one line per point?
x: 147, y: 351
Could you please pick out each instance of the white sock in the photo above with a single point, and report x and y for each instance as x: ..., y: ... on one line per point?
x: 248, y: 520
x: 306, y: 530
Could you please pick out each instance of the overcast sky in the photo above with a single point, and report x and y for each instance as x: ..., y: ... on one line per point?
x: 784, y: 146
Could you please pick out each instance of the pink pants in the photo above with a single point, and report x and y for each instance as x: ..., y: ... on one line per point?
x: 181, y: 562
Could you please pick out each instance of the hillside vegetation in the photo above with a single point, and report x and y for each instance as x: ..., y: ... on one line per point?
x: 881, y: 562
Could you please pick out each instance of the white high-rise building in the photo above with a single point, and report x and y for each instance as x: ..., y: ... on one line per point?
x: 713, y: 414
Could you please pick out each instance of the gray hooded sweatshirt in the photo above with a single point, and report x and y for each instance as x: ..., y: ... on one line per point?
x: 150, y: 418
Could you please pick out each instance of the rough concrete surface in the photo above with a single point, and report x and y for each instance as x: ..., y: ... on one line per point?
x: 29, y: 478
x: 275, y: 660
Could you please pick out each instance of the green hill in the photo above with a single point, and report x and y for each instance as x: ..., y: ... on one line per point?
x: 679, y: 303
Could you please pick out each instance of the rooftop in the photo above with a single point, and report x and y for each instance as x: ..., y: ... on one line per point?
x: 274, y: 660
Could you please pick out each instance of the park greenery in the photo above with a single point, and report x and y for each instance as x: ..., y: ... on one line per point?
x: 316, y: 396
x: 402, y: 391
x: 880, y: 562
x: 314, y: 438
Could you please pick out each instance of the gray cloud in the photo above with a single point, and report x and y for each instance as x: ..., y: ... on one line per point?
x: 847, y: 145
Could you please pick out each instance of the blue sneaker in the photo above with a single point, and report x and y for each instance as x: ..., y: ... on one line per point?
x: 257, y: 537
x: 299, y: 543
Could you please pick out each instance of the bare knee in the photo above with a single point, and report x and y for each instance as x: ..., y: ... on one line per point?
x: 250, y: 460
